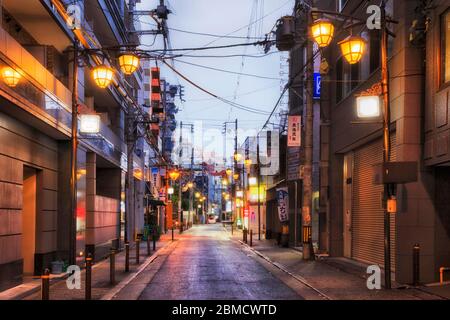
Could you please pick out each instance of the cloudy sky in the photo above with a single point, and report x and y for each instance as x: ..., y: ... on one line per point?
x: 241, y: 21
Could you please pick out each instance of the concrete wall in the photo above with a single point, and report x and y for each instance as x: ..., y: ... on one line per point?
x: 102, y: 213
x: 21, y: 145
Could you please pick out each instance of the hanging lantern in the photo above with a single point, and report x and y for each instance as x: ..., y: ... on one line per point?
x: 224, y: 182
x: 10, y: 76
x: 128, y: 63
x: 102, y: 76
x: 174, y: 175
x: 238, y: 157
x: 236, y: 176
x: 190, y: 185
x: 248, y: 162
x: 197, y: 194
x: 229, y: 172
x: 352, y: 49
x: 322, y: 31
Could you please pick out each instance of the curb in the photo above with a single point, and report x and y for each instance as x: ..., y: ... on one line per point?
x: 122, y: 284
x: 282, y: 268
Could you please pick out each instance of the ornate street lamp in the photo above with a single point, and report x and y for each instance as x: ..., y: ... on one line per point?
x: 229, y: 171
x: 353, y: 48
x: 323, y: 32
x: 102, y: 75
x: 129, y: 63
x: 174, y: 175
x: 10, y: 76
x: 197, y: 195
x: 190, y: 185
x: 238, y: 157
x: 236, y: 176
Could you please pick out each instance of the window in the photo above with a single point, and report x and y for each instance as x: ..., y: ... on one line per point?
x: 347, y: 78
x: 446, y: 47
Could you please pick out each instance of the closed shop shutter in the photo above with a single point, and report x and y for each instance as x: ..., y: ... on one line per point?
x: 367, y: 211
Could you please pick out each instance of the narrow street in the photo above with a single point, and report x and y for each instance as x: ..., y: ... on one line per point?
x: 206, y: 264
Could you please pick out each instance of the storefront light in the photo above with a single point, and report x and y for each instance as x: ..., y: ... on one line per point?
x: 89, y: 123
x: 368, y: 106
x: 170, y: 190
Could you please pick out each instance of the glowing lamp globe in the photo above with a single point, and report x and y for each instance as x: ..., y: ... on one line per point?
x: 353, y: 48
x: 323, y: 32
x: 128, y: 63
x: 173, y: 175
x: 102, y: 76
x: 10, y: 76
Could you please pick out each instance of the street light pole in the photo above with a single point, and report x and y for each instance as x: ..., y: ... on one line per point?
x: 386, y: 142
x: 73, y: 159
x: 258, y: 166
x: 308, y: 252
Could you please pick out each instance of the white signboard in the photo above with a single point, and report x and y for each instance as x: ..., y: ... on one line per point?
x: 294, y: 131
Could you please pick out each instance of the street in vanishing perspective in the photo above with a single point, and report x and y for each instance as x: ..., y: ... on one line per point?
x: 211, y: 158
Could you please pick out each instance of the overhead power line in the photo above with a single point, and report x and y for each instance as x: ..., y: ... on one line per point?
x: 234, y: 104
x: 227, y: 71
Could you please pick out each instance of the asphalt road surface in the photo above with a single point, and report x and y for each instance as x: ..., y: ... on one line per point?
x: 206, y: 264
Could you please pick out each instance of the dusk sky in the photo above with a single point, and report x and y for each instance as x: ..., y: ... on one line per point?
x: 231, y: 18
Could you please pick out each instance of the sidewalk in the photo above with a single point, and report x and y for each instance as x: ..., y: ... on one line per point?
x: 337, y: 278
x: 30, y: 290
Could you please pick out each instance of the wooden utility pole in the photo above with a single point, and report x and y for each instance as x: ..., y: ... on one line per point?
x: 308, y: 252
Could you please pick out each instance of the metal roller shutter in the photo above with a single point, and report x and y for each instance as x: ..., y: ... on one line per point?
x: 367, y: 211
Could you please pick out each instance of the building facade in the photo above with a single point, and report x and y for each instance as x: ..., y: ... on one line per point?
x: 38, y: 225
x: 351, y: 214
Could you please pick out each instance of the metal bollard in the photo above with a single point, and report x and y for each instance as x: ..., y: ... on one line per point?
x: 416, y: 264
x: 112, y: 266
x: 45, y: 287
x: 172, y: 233
x: 149, y: 251
x: 88, y: 282
x: 251, y: 238
x: 244, y: 234
x: 232, y: 229
x: 138, y: 245
x: 127, y: 257
x: 154, y: 242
